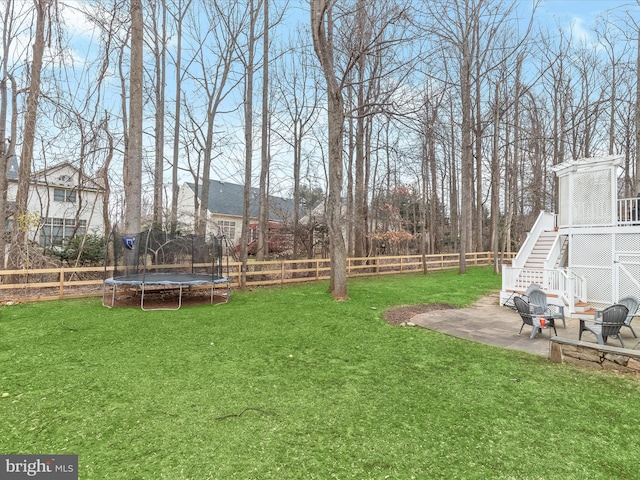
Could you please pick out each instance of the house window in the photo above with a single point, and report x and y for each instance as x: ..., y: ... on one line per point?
x: 253, y: 233
x: 228, y: 228
x: 64, y: 195
x: 58, y: 231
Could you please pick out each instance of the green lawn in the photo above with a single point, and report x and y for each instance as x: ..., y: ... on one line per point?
x: 285, y: 383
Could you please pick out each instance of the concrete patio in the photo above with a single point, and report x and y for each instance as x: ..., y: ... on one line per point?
x: 487, y: 322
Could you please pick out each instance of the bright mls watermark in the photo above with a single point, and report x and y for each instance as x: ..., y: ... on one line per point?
x: 48, y: 467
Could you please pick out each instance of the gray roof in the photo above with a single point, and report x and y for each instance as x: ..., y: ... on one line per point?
x: 226, y: 199
x: 44, y: 176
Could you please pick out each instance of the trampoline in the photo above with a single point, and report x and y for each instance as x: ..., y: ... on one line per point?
x: 159, y: 262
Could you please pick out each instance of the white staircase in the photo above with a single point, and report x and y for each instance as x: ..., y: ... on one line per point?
x: 541, y: 249
x: 542, y: 259
x: 534, y: 265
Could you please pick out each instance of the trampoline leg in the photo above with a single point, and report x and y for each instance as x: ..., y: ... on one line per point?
x: 227, y: 295
x: 113, y: 295
x: 151, y: 309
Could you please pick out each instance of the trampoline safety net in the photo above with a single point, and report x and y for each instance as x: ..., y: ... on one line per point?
x: 162, y: 259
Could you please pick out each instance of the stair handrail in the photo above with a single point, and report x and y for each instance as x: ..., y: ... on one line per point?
x: 545, y: 221
x: 572, y: 286
x: 554, y: 253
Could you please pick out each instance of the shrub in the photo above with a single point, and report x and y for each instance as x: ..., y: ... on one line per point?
x: 87, y: 249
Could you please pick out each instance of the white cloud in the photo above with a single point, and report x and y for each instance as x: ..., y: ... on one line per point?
x: 75, y: 18
x: 580, y: 31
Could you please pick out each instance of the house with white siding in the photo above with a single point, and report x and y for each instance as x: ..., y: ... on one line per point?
x: 587, y: 254
x: 68, y: 202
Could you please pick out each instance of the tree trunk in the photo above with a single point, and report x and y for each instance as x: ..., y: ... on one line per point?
x: 248, y: 147
x: 26, y: 158
x: 338, y: 251
x: 297, y: 161
x: 466, y: 168
x: 178, y: 110
x: 495, y: 180
x: 321, y: 27
x: 133, y: 159
x: 7, y: 152
x: 263, y: 227
x: 104, y: 175
x: 160, y: 41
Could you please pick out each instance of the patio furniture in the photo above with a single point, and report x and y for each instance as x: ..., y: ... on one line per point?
x: 536, y: 321
x: 509, y: 302
x: 538, y: 300
x: 531, y: 288
x: 607, y: 323
x: 632, y: 304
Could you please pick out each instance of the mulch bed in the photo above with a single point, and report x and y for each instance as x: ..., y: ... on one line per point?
x: 402, y: 314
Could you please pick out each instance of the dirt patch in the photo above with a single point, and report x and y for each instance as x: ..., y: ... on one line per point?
x: 398, y: 315
x: 125, y: 297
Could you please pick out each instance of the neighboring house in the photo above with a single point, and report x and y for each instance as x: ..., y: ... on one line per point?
x: 588, y: 253
x: 67, y: 201
x: 224, y: 209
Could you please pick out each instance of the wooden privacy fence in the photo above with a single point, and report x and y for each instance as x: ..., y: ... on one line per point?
x: 56, y: 283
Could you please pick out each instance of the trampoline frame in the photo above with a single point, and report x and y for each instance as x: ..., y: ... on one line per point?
x: 169, y: 280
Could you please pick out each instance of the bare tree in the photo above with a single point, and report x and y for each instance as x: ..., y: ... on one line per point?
x: 265, y: 151
x: 248, y: 136
x: 132, y: 173
x: 179, y: 14
x: 298, y: 94
x: 158, y: 44
x: 12, y: 19
x: 217, y: 53
x: 322, y: 27
x: 557, y: 84
x: 352, y: 51
x: 42, y: 12
x: 476, y: 33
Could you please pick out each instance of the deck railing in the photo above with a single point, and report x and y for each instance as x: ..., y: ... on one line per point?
x: 559, y: 281
x: 57, y: 283
x: 629, y: 211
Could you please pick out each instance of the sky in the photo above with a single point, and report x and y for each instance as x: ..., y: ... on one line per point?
x: 580, y: 14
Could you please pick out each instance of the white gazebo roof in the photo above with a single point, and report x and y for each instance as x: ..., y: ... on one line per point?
x: 587, y: 164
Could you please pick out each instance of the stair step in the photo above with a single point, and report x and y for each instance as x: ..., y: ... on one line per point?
x: 578, y: 309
